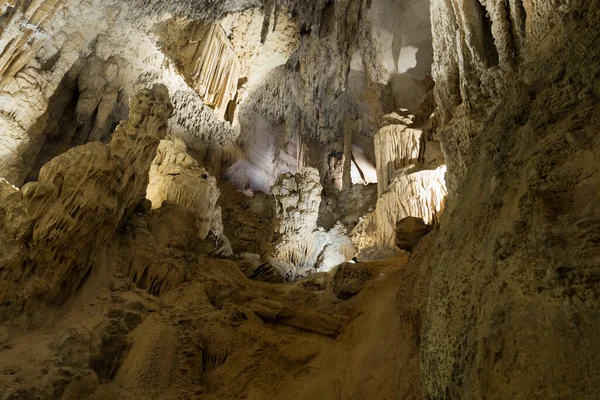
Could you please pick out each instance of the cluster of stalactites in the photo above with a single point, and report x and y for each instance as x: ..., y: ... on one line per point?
x: 396, y: 146
x: 411, y: 183
x: 18, y: 43
x: 209, y: 63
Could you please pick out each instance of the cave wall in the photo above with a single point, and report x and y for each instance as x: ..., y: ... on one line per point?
x: 513, y: 300
x: 288, y: 86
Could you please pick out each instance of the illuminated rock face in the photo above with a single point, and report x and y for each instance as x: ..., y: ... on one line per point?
x: 414, y: 192
x: 411, y: 183
x: 80, y: 198
x: 175, y: 177
x: 303, y: 248
x: 396, y: 146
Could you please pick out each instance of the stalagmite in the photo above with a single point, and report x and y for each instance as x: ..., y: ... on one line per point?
x: 302, y: 247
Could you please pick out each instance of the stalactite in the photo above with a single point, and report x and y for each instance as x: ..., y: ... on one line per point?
x: 268, y: 7
x: 412, y: 193
x: 347, y: 169
x: 396, y: 146
x: 19, y: 42
x: 209, y: 64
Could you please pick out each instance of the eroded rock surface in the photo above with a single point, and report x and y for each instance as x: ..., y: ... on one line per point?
x: 515, y: 261
x: 80, y: 198
x: 113, y: 282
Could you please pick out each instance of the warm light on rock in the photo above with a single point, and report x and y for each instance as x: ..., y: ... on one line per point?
x: 299, y: 199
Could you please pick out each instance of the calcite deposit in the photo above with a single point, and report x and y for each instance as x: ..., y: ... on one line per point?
x: 80, y: 198
x: 299, y: 199
x: 301, y: 247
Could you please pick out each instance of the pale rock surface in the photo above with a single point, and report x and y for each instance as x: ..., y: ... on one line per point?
x: 414, y: 192
x: 176, y: 177
x: 301, y: 247
x: 206, y: 59
x: 396, y: 145
x: 411, y: 183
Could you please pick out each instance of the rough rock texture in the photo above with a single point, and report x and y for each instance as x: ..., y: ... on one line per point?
x: 347, y: 206
x: 88, y: 56
x: 176, y: 177
x: 247, y: 219
x: 411, y: 183
x: 301, y: 247
x: 409, y: 232
x: 104, y: 297
x: 513, y: 302
x: 81, y: 197
x: 349, y: 279
x: 396, y: 145
x: 414, y: 192
x: 292, y: 59
x: 218, y: 336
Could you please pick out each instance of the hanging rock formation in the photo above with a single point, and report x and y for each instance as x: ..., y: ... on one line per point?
x: 411, y: 183
x: 396, y: 145
x: 207, y: 60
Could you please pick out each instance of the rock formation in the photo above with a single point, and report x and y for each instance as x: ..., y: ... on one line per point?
x: 315, y: 199
x: 515, y: 261
x: 411, y: 183
x: 396, y: 146
x: 81, y: 197
x: 208, y: 62
x: 175, y: 177
x: 301, y: 247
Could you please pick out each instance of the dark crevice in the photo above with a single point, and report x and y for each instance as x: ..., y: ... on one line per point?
x: 327, y: 20
x: 490, y: 52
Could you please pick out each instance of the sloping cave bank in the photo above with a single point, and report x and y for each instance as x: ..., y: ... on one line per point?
x: 102, y: 296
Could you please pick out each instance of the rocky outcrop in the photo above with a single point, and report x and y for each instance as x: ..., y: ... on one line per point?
x: 81, y: 197
x: 176, y: 177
